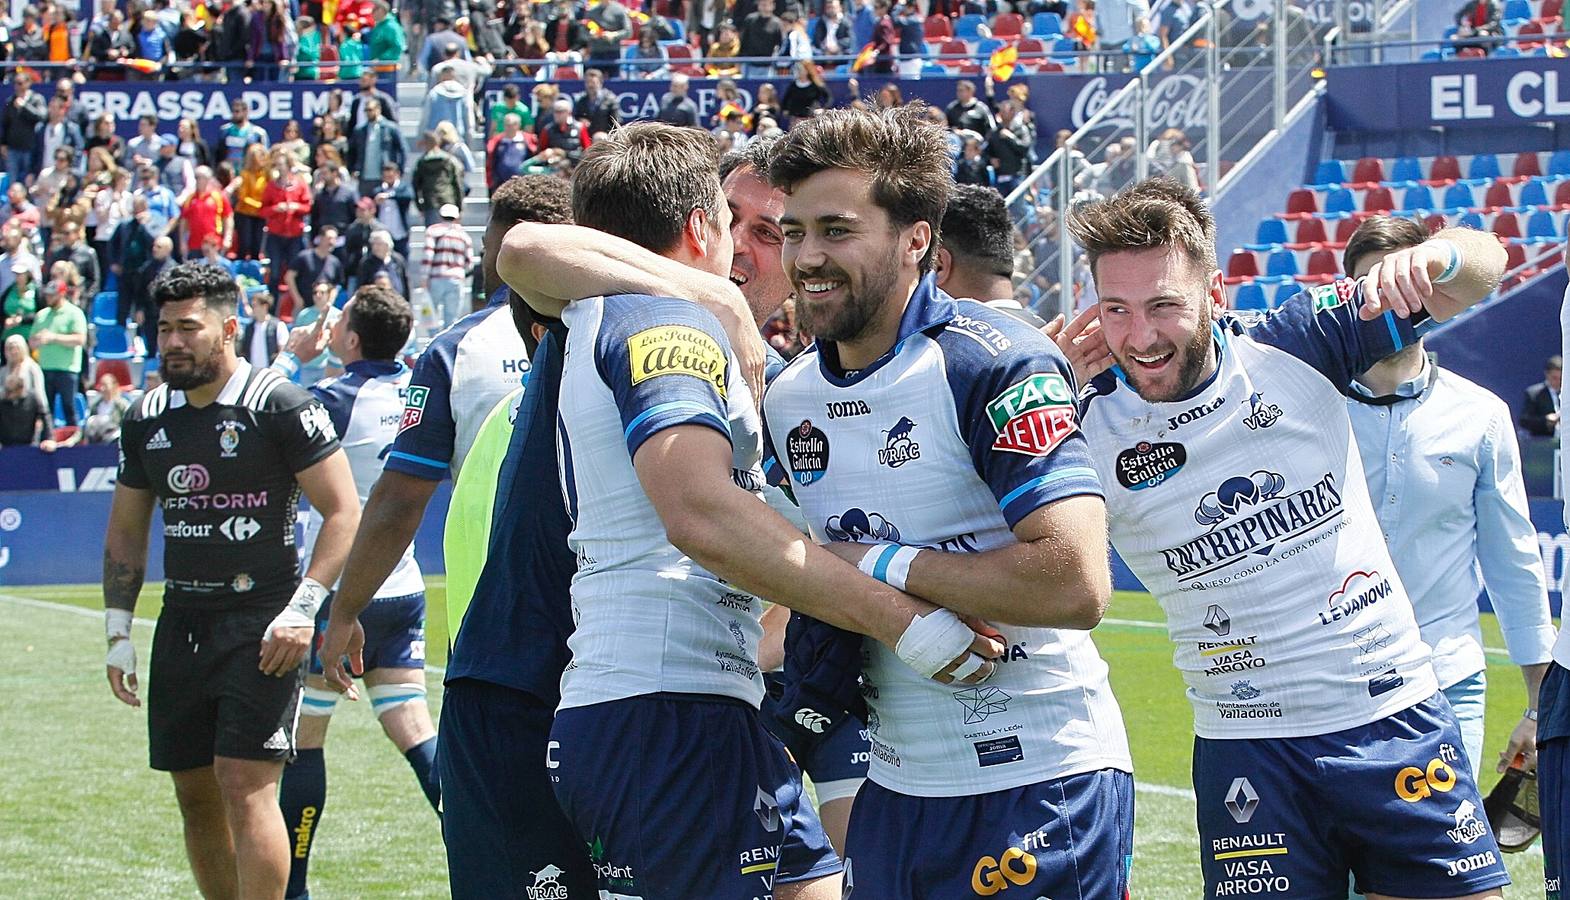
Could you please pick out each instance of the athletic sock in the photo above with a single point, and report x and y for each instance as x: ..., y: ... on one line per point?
x: 422, y: 759
x: 301, y: 796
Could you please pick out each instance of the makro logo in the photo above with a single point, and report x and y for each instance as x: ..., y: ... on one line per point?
x: 1015, y: 867
x: 1414, y: 784
x: 189, y: 479
x: 302, y: 832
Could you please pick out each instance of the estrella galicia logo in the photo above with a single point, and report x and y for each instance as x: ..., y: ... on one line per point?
x: 1238, y: 493
x: 807, y: 449
x: 898, y: 448
x: 1148, y: 464
x: 859, y: 525
x: 1260, y: 413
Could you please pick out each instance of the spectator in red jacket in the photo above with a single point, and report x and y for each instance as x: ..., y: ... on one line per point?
x: 287, y: 206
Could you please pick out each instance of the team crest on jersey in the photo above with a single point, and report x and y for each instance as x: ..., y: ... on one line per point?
x: 857, y: 525
x: 676, y: 350
x: 1260, y: 414
x: 413, y: 407
x: 242, y: 582
x: 898, y: 447
x: 807, y: 449
x: 1033, y: 416
x: 228, y: 437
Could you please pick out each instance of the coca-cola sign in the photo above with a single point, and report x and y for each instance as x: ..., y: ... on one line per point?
x: 1175, y: 101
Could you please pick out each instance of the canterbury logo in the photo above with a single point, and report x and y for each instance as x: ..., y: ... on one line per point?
x: 812, y: 720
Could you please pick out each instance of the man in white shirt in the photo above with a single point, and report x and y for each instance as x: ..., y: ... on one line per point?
x: 1444, y: 473
x: 265, y: 336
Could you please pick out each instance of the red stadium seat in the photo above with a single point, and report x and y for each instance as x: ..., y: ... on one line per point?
x: 1550, y: 9
x: 1369, y: 170
x: 956, y: 50
x: 937, y: 28
x: 1526, y: 166
x: 1562, y: 195
x: 1498, y: 195
x: 1515, y: 257
x: 119, y: 368
x: 1008, y: 25
x: 64, y: 434
x: 1344, y: 230
x: 1309, y: 233
x: 1529, y: 29
x: 1322, y: 266
x: 1434, y: 223
x: 1445, y: 168
x: 1241, y: 266
x: 1506, y: 225
x: 1301, y: 203
x: 1378, y: 200
x: 970, y: 68
x: 1030, y: 45
x: 1052, y: 65
x: 1471, y: 53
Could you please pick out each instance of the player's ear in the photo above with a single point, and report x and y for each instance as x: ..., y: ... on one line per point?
x: 696, y: 232
x: 1218, y: 295
x: 920, y: 241
x: 942, y: 265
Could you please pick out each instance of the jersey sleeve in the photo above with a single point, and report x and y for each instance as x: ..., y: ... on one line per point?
x: 301, y: 426
x: 427, y: 433
x: 1321, y: 326
x: 1015, y: 396
x: 337, y: 397
x: 667, y: 363
x: 133, y: 434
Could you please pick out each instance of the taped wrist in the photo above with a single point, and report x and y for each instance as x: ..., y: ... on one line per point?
x: 932, y: 641
x: 303, y: 606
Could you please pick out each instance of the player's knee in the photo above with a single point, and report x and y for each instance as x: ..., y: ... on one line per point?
x: 199, y: 798
x: 387, y: 699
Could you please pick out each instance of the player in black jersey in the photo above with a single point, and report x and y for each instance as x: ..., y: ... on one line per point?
x: 224, y: 449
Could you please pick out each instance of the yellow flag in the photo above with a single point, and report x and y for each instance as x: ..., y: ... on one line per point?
x: 1085, y: 30
x: 865, y: 58
x: 1003, y: 61
x: 329, y: 11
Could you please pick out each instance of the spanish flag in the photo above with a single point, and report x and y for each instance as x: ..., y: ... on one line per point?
x: 1085, y: 30
x: 1003, y: 61
x: 329, y: 12
x: 593, y: 26
x: 148, y: 66
x: 866, y: 57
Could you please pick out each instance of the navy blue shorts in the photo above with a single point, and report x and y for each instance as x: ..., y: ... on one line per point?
x: 1393, y: 802
x: 685, y: 797
x: 505, y: 834
x: 1553, y: 776
x: 838, y: 764
x: 1070, y: 837
x: 394, y: 633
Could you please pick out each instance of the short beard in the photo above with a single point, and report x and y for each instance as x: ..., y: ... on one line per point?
x: 203, y: 371
x: 850, y: 320
x: 1195, y: 355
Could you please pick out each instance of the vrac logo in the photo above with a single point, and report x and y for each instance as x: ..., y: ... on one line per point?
x: 189, y: 479
x: 546, y: 885
x: 1414, y: 784
x: 1260, y: 414
x: 898, y: 447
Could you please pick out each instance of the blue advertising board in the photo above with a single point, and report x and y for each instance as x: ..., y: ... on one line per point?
x: 1459, y: 94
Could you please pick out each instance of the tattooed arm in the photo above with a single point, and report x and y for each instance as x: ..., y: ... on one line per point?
x: 125, y: 563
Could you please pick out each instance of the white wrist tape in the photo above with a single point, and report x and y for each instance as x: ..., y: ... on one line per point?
x: 889, y: 563
x: 117, y: 623
x: 302, y: 608
x: 932, y: 641
x: 1453, y: 267
x: 122, y: 653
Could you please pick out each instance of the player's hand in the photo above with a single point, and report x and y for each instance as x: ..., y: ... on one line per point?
x: 972, y: 666
x: 122, y: 671
x: 1082, y: 342
x: 284, y: 648
x: 1523, y: 741
x: 307, y: 343
x: 1403, y: 281
x: 342, y: 639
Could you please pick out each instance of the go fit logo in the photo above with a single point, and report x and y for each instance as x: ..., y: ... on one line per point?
x: 1015, y: 867
x: 1414, y: 784
x: 188, y: 479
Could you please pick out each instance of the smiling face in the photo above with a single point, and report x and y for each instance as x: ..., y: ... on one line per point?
x: 1156, y: 310
x: 756, y: 267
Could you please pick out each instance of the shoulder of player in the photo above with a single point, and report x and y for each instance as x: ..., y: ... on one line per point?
x: 635, y: 312
x: 986, y: 347
x: 269, y: 391
x: 150, y: 405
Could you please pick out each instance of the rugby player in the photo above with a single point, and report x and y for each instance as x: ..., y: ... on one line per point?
x: 975, y: 260
x: 1444, y: 472
x: 656, y: 415
x: 224, y: 449
x: 1236, y: 495
x: 1553, y: 727
x: 365, y: 405
x: 933, y: 443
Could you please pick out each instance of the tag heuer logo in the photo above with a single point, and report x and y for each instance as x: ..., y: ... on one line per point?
x: 1033, y: 416
x: 414, y: 407
x: 159, y: 441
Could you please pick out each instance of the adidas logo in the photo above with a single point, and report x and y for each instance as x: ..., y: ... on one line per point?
x: 159, y: 441
x: 279, y: 741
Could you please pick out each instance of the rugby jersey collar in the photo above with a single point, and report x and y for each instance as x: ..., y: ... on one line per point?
x: 229, y: 396
x: 374, y: 368
x: 928, y: 308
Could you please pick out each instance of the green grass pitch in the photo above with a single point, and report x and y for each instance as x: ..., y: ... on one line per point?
x: 84, y: 817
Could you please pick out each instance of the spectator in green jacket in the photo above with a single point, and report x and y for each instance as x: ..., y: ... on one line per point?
x: 308, y: 49
x: 387, y: 41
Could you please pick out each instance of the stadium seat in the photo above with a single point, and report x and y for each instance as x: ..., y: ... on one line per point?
x: 1526, y: 166
x: 968, y: 27
x: 1459, y: 197
x: 1529, y: 29
x: 1559, y: 164
x: 1540, y: 228
x: 1328, y: 174
x: 1506, y: 53
x: 1049, y: 65
x: 1369, y: 170
x: 1285, y: 292
x: 1550, y: 9
x: 1499, y: 196
x: 1340, y: 202
x: 1029, y: 46
x: 1281, y: 264
x: 1506, y: 225
x: 1470, y: 220
x: 1416, y: 200
x: 1562, y: 195
x: 970, y: 69
x: 1309, y: 232
x: 937, y: 28
x: 1064, y: 50
x: 1444, y: 168
x: 1516, y: 11
x: 1378, y: 199
x: 1344, y: 230
x: 1008, y: 25
x: 65, y: 432
x: 1434, y: 223
x: 1483, y: 165
x: 1515, y: 257
x: 1322, y: 266
x: 986, y: 46
x: 1250, y: 296
x: 119, y: 368
x: 1301, y: 203
x: 1270, y: 234
x: 1046, y: 24
x: 1404, y: 170
x: 1532, y: 195
x: 106, y: 307
x: 930, y: 69
x: 1471, y: 53
x: 1432, y: 56
x: 1241, y: 266
x: 952, y: 53
x: 113, y: 342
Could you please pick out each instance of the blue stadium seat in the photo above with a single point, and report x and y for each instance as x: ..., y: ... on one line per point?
x: 968, y: 27
x: 1432, y: 55
x: 1328, y: 174
x: 1516, y: 11
x: 59, y: 411
x: 1286, y: 291
x: 106, y: 306
x: 1251, y: 296
x: 1272, y: 233
x: 1471, y: 220
x: 113, y: 342
x: 1559, y: 164
x: 1532, y: 194
x: 1484, y: 166
x: 249, y: 268
x: 929, y: 69
x: 985, y: 47
x: 1416, y: 200
x: 1540, y: 228
x: 1063, y: 50
x: 1340, y: 200
x: 1406, y: 169
x: 1044, y: 25
x: 843, y: 73
x: 1459, y: 196
x: 1281, y: 263
x: 1506, y: 53
x: 679, y: 28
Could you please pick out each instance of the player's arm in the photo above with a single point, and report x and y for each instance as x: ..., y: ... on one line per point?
x: 1444, y: 275
x: 549, y: 266
x: 125, y: 566
x: 1512, y: 569
x: 686, y: 472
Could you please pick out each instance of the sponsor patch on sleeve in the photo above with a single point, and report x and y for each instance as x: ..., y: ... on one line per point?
x: 413, y: 407
x: 676, y: 350
x: 1033, y: 416
x: 1330, y: 296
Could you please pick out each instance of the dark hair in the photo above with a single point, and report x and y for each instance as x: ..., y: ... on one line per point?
x: 977, y: 228
x: 150, y: 120
x: 382, y: 319
x: 1157, y: 212
x: 905, y: 156
x: 642, y: 181
x: 757, y: 155
x: 1380, y: 235
x: 197, y: 281
x: 532, y: 198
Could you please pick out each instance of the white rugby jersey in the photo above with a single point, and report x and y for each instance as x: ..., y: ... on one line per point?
x: 366, y: 404
x: 648, y: 618
x: 963, y: 429
x: 1244, y: 510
